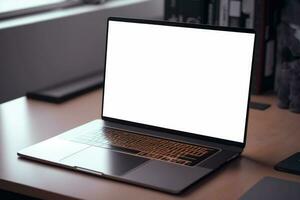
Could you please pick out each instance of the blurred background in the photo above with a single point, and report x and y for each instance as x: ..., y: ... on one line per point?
x: 44, y: 43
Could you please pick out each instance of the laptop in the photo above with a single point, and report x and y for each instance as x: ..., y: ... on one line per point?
x: 174, y: 106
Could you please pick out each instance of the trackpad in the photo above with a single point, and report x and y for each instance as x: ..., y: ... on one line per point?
x: 166, y: 176
x: 103, y: 160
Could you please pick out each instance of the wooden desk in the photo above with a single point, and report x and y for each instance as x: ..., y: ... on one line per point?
x: 272, y: 136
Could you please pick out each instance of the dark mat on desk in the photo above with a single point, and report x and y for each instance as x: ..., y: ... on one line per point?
x: 259, y: 106
x: 273, y: 188
x: 290, y: 164
x: 68, y: 90
x: 14, y: 196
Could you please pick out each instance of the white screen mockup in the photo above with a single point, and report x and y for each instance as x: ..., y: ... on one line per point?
x: 186, y: 79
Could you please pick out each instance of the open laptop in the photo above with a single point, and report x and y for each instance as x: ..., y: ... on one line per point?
x: 174, y: 106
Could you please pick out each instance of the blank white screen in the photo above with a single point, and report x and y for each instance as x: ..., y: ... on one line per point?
x: 186, y: 79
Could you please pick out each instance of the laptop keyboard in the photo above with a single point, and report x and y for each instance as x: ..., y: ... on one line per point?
x: 145, y: 146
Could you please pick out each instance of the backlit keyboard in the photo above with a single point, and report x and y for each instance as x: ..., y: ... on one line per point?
x: 145, y: 146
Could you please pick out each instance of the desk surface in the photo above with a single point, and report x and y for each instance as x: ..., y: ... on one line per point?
x: 273, y: 135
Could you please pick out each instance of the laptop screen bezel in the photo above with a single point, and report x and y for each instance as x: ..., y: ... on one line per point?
x: 161, y: 129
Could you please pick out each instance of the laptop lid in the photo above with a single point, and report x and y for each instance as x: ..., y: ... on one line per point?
x: 186, y: 79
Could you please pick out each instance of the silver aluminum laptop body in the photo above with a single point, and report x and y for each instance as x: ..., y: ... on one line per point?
x: 161, y: 113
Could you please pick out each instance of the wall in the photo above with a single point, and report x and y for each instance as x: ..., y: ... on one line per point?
x: 50, y: 48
